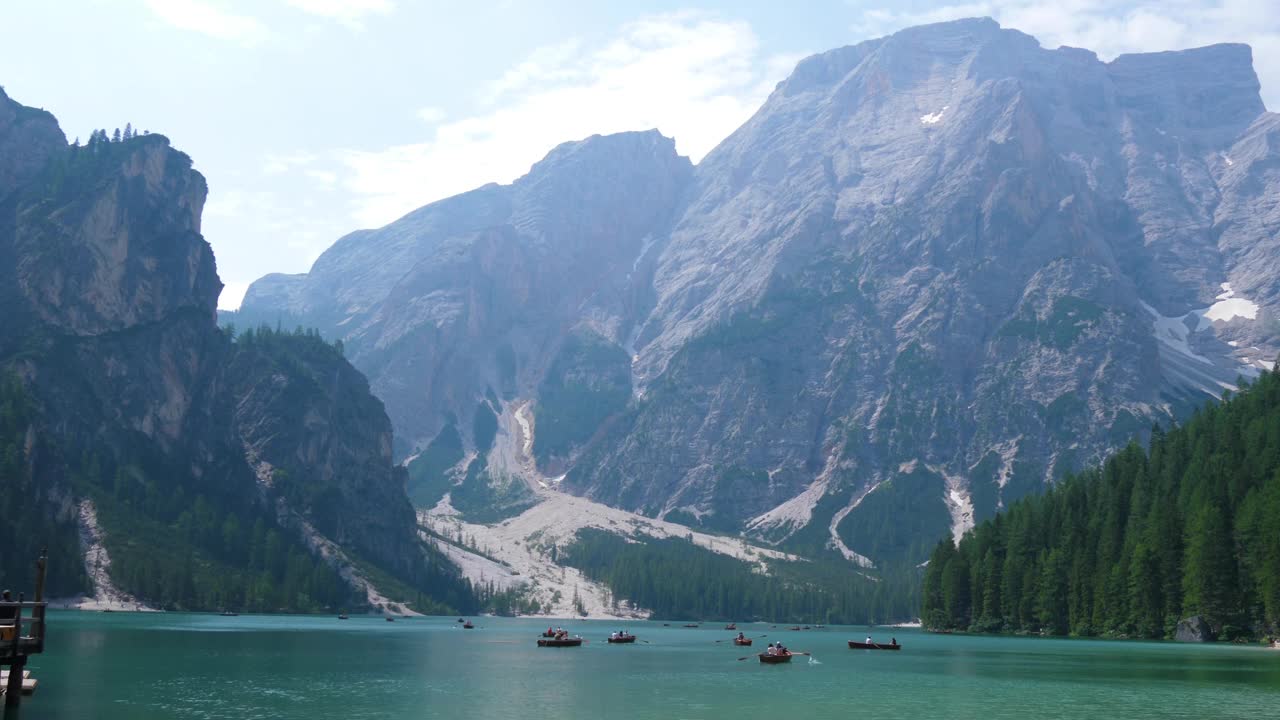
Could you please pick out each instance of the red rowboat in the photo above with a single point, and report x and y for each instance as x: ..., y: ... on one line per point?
x: 768, y: 659
x: 742, y: 641
x: 622, y: 639
x: 854, y: 645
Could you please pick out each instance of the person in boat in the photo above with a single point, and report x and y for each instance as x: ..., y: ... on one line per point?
x: 869, y: 640
x: 741, y: 636
x: 893, y: 641
x: 770, y: 651
x: 782, y: 650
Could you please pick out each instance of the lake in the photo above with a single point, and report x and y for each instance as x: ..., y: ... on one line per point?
x: 143, y: 666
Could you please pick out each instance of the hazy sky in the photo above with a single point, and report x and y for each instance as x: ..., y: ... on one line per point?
x: 312, y: 118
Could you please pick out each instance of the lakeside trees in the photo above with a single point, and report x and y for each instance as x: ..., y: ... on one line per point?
x: 1190, y: 526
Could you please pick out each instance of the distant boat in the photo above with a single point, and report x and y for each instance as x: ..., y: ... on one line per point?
x: 746, y: 642
x: 343, y: 616
x: 461, y: 620
x: 228, y: 613
x: 855, y: 645
x: 468, y: 626
x: 390, y: 619
x: 768, y: 659
x: 731, y: 626
x: 692, y: 625
x: 621, y: 639
x: 795, y: 627
x: 559, y: 642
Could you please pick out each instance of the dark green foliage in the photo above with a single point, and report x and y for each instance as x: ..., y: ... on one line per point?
x: 29, y: 519
x: 1191, y: 526
x: 484, y: 428
x: 482, y: 498
x: 1067, y: 320
x: 677, y: 579
x: 589, y: 381
x: 428, y: 473
x: 897, y: 520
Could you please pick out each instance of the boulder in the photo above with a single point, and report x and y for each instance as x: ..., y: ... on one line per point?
x: 1194, y: 629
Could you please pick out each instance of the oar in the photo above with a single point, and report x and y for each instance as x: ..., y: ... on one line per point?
x: 747, y: 656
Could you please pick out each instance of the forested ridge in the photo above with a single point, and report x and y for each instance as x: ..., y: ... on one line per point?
x: 1190, y: 526
x: 676, y: 579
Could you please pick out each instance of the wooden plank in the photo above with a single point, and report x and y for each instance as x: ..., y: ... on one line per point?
x: 5, y: 673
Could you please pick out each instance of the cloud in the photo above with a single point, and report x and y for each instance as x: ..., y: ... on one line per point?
x: 348, y: 12
x: 431, y: 115
x: 209, y: 19
x: 281, y: 164
x: 1114, y: 27
x: 692, y: 76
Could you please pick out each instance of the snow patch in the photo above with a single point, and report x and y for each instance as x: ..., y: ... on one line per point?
x: 1227, y: 159
x: 1172, y: 332
x: 933, y: 118
x: 1227, y: 308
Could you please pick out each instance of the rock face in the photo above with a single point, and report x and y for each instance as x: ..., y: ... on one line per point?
x: 932, y: 273
x: 1194, y: 629
x: 109, y: 293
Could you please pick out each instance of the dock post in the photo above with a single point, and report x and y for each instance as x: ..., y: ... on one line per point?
x: 13, y: 693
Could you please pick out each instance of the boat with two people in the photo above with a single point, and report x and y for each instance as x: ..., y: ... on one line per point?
x: 869, y: 645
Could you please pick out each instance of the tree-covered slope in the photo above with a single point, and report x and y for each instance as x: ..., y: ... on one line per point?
x: 1190, y: 526
x: 197, y: 472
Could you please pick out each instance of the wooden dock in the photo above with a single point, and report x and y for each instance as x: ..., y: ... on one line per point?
x: 22, y: 630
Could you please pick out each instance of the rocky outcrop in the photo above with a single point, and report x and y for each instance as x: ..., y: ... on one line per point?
x: 934, y: 272
x: 154, y: 412
x: 1195, y: 629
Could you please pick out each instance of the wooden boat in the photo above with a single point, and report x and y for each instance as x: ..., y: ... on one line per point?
x: 745, y: 642
x: 794, y: 627
x: 692, y: 625
x: 731, y: 626
x: 622, y: 639
x: 461, y: 620
x: 468, y: 626
x: 390, y: 619
x: 768, y: 659
x: 855, y: 645
x: 559, y: 642
x: 228, y: 613
x: 343, y: 616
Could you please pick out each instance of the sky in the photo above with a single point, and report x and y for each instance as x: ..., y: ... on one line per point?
x: 314, y: 118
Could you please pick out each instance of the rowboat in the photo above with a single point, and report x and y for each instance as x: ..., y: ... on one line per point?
x: 768, y: 659
x: 855, y: 645
x: 621, y: 639
x: 692, y: 625
x: 560, y: 642
x: 742, y: 641
x: 468, y: 626
x: 731, y: 626
x: 343, y: 616
x: 390, y: 619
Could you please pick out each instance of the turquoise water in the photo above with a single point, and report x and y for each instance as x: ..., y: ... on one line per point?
x: 143, y: 666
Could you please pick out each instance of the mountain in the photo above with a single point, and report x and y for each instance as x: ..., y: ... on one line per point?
x: 1152, y: 544
x: 933, y: 273
x: 163, y: 461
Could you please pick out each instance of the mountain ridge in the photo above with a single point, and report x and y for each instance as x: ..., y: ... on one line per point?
x: 934, y: 272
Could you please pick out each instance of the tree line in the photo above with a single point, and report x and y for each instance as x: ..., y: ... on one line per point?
x: 1189, y: 526
x: 677, y: 579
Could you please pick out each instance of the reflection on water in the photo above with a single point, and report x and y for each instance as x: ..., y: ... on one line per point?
x: 208, y: 667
